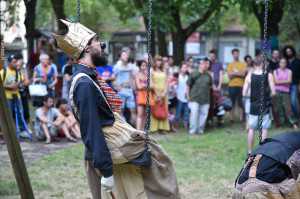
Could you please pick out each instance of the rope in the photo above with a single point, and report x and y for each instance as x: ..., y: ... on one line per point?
x: 264, y: 49
x: 78, y: 11
x: 149, y: 36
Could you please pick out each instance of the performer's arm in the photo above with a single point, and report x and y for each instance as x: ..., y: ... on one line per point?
x: 87, y: 97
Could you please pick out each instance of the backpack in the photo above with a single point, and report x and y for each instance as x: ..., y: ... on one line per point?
x: 4, y: 75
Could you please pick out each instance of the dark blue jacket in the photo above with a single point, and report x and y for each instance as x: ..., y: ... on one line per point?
x: 93, y: 115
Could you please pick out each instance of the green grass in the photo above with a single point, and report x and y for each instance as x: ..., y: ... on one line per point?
x: 206, y: 166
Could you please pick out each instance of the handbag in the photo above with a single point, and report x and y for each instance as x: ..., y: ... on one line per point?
x: 159, y: 110
x: 37, y: 90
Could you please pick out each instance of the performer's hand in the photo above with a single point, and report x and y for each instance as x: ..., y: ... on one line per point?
x: 107, y: 183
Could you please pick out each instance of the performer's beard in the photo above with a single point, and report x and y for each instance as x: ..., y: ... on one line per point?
x: 98, y: 59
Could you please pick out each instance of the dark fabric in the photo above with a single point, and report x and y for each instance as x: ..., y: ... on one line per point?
x: 268, y: 170
x: 235, y: 95
x: 94, y: 114
x: 216, y: 68
x: 280, y: 147
x: 272, y: 66
x: 295, y: 67
x: 200, y: 85
x: 256, y: 95
x: 25, y: 104
x: 68, y: 70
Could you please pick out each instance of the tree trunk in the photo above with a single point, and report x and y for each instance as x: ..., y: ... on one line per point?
x: 162, y: 43
x: 30, y: 25
x: 178, y: 40
x: 58, y: 7
x: 274, y: 18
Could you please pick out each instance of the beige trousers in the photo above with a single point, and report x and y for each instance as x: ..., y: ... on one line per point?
x: 128, y: 182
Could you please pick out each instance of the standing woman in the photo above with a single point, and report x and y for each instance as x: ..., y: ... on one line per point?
x: 141, y: 95
x: 282, y: 108
x: 160, y: 89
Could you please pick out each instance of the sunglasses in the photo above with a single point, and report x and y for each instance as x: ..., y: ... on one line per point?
x: 102, y: 45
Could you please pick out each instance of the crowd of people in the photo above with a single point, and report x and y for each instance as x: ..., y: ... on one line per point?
x: 189, y: 95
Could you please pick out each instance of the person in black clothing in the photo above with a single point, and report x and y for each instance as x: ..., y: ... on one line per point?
x: 84, y: 46
x: 289, y: 53
x: 254, y: 82
x: 272, y: 169
x: 274, y: 62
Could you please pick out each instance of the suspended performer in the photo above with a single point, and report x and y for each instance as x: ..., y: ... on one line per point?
x: 121, y: 162
x: 272, y: 170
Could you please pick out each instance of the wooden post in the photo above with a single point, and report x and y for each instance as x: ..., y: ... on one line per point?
x: 13, y: 147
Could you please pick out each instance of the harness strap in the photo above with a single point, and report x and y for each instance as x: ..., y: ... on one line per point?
x: 253, y: 168
x: 71, y: 92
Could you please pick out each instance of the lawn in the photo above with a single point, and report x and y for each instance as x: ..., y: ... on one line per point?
x: 206, y: 167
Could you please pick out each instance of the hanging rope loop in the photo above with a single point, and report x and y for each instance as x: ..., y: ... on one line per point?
x: 78, y: 11
x: 265, y: 62
x: 149, y: 37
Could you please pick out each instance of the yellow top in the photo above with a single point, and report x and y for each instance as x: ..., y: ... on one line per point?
x: 236, y: 66
x: 10, y: 78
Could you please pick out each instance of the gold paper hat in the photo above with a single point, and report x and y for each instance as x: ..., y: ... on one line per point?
x: 75, y: 40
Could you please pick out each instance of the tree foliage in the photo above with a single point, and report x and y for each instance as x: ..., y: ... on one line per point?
x: 290, y: 24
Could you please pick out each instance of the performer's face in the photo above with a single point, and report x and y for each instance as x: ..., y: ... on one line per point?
x: 96, y: 52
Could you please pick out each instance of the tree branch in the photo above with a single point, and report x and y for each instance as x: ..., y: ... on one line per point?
x: 216, y: 4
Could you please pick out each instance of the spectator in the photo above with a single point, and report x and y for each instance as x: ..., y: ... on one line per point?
x: 46, y: 73
x: 199, y: 87
x: 182, y: 108
x: 70, y: 121
x: 172, y: 68
x: 282, y: 106
x: 160, y: 90
x: 190, y: 63
x: 67, y: 71
x: 274, y: 62
x: 236, y: 73
x: 217, y: 70
x: 23, y: 88
x: 294, y: 64
x: 141, y: 85
x: 48, y: 120
x: 105, y: 73
x: 249, y: 62
x: 246, y: 98
x: 165, y: 61
x: 12, y: 79
x: 254, y: 82
x: 124, y: 83
x: 172, y: 99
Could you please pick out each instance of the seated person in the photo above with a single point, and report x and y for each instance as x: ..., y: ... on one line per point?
x: 272, y: 169
x: 48, y: 121
x: 70, y: 121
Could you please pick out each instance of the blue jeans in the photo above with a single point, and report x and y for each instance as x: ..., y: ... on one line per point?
x: 294, y: 100
x: 182, y: 109
x: 15, y: 106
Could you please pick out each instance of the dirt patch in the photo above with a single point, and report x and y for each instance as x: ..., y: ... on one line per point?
x: 33, y: 150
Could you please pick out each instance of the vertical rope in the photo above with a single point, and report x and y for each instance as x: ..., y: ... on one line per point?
x: 264, y: 49
x: 149, y: 36
x: 1, y: 39
x: 78, y: 10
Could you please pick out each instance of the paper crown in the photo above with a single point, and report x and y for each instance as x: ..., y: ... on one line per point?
x: 75, y: 40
